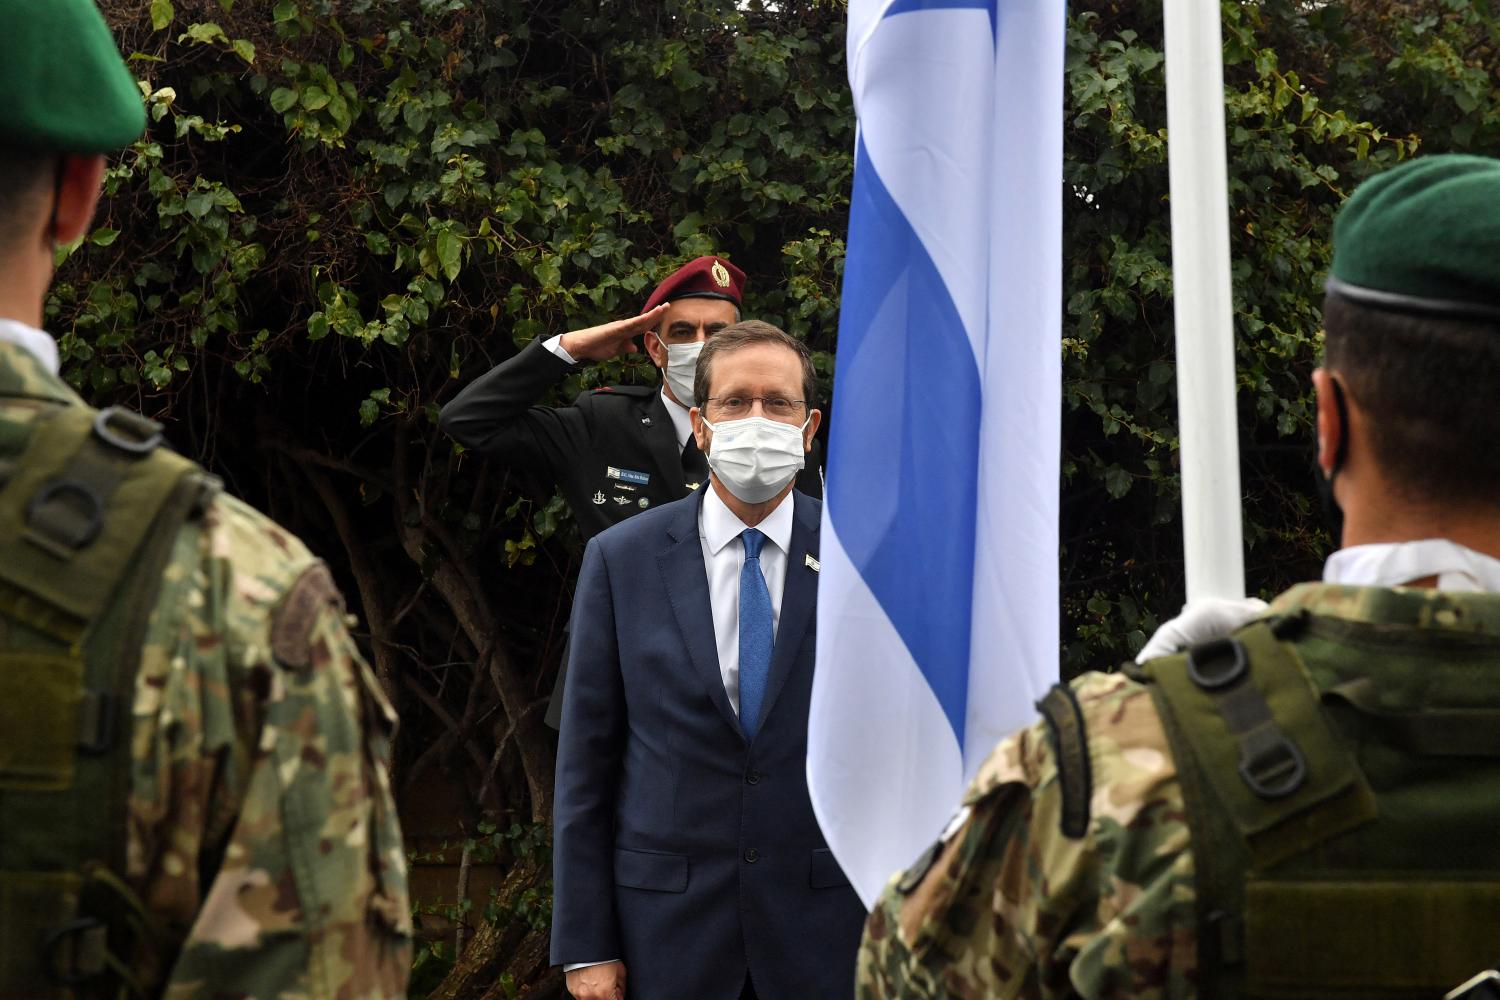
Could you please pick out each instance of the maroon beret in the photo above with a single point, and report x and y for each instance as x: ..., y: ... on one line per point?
x: 704, y: 278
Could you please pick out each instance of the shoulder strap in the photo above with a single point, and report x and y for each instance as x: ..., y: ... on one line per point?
x: 1070, y: 745
x: 1255, y: 727
x: 64, y: 557
x: 88, y: 518
x: 1262, y: 773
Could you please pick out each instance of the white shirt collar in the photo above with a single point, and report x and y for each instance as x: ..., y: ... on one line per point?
x: 720, y: 526
x: 38, y: 342
x: 681, y: 422
x: 1391, y: 564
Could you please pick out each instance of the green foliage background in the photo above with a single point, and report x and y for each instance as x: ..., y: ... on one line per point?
x: 344, y: 210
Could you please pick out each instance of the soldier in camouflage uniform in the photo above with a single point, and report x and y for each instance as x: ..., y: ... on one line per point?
x: 1305, y: 808
x: 193, y: 795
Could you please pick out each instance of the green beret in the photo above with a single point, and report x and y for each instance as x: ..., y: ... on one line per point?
x: 65, y: 88
x: 1423, y: 237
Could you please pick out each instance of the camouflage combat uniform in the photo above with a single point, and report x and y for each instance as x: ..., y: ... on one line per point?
x: 261, y: 832
x: 1011, y: 907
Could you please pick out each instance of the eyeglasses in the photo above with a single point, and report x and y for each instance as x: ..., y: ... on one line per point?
x: 775, y: 407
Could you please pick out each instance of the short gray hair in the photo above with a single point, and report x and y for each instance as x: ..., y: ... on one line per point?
x: 744, y: 334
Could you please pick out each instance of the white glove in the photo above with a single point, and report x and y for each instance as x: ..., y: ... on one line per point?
x: 1200, y: 621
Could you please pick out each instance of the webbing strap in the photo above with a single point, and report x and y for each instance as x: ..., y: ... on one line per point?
x: 1240, y: 733
x: 40, y: 700
x: 1393, y: 934
x: 1070, y: 743
x: 88, y: 520
x: 43, y: 900
x: 64, y: 557
x: 1432, y: 732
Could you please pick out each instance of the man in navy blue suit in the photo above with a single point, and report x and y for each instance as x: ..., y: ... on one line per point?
x: 686, y: 855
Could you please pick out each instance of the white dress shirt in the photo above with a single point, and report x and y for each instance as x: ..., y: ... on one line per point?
x: 723, y: 557
x: 681, y: 422
x: 1392, y: 564
x: 38, y: 342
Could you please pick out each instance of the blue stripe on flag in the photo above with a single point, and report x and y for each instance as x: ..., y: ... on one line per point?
x: 908, y: 400
x: 905, y: 6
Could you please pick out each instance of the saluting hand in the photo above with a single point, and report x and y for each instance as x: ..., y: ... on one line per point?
x: 598, y: 982
x: 609, y: 340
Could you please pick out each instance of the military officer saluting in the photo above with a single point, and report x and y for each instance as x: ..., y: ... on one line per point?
x: 1306, y: 807
x: 193, y: 792
x: 617, y: 450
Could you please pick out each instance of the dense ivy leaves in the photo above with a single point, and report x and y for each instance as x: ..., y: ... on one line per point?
x: 343, y: 211
x: 1317, y: 96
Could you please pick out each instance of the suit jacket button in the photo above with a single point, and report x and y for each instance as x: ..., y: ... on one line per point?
x: 752, y: 855
x: 752, y: 777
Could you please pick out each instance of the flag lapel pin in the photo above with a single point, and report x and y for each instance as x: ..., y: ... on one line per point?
x: 812, y: 563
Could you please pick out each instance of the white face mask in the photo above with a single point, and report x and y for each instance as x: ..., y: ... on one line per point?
x: 756, y: 457
x: 682, y: 365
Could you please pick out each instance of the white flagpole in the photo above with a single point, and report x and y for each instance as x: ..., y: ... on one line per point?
x: 1211, y: 531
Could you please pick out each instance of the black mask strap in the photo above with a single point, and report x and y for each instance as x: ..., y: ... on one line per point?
x: 57, y: 185
x: 1331, y: 509
x: 1342, y: 452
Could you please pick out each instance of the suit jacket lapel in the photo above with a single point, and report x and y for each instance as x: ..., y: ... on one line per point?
x: 799, y: 599
x: 661, y: 438
x: 686, y: 581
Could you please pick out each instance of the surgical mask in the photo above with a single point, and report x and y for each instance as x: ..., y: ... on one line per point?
x: 682, y: 365
x: 755, y: 458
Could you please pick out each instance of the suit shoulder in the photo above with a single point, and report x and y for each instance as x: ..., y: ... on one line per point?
x: 649, y: 527
x: 810, y: 505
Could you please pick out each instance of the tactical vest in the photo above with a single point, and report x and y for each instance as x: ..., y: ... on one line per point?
x: 90, y: 508
x: 1345, y: 817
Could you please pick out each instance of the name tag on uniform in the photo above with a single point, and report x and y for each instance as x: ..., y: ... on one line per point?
x: 627, y: 475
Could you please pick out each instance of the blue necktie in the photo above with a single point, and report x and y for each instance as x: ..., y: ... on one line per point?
x: 755, y: 633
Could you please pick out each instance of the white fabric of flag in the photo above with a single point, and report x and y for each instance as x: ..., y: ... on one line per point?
x: 937, y: 602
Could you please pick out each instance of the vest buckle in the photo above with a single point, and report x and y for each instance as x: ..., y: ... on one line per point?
x: 1218, y: 664
x: 65, y: 515
x: 1271, y: 764
x: 127, y: 430
x: 75, y: 952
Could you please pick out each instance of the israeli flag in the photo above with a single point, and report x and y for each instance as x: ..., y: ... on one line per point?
x: 937, y: 608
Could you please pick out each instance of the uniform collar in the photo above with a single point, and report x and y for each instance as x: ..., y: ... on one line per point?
x: 719, y: 525
x: 38, y: 342
x: 681, y: 422
x: 29, y: 364
x: 1391, y: 564
x: 1421, y: 608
